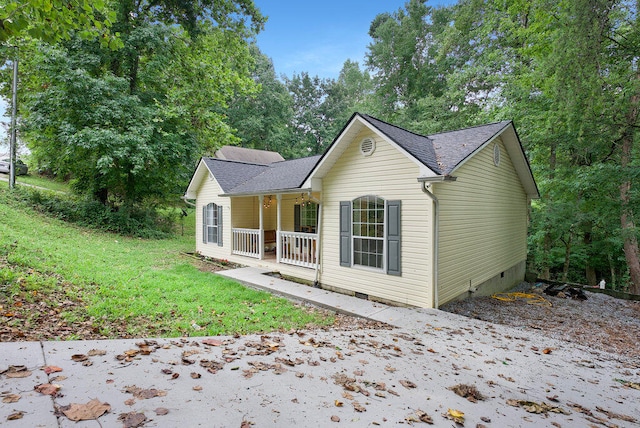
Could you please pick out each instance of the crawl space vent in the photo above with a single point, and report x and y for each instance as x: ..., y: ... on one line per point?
x: 367, y: 146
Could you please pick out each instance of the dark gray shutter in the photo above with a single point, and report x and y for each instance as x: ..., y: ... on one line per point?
x: 345, y: 233
x: 220, y: 230
x: 393, y: 237
x: 296, y: 218
x: 204, y: 224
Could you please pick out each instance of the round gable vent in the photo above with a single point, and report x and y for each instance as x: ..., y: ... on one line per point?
x: 496, y: 154
x: 367, y: 146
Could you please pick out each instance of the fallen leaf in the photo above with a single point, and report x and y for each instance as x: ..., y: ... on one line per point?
x: 212, y: 342
x: 47, y: 388
x: 15, y: 416
x: 628, y: 383
x: 245, y: 423
x: 143, y: 394
x: 547, y: 350
x: 16, y: 372
x: 456, y: 415
x: 130, y: 402
x: 407, y: 384
x: 470, y: 392
x: 96, y: 352
x: 424, y: 417
x: 79, y: 357
x: 195, y: 375
x: 197, y: 388
x: 11, y: 398
x: 338, y: 403
x: 51, y: 369
x: 335, y: 418
x: 132, y: 419
x: 85, y: 412
x: 161, y: 411
x: 358, y: 407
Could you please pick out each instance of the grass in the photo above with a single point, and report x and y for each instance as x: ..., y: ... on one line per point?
x: 116, y: 286
x: 36, y: 180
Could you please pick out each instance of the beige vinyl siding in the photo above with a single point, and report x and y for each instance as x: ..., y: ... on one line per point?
x: 389, y: 174
x: 483, y: 223
x: 207, y: 193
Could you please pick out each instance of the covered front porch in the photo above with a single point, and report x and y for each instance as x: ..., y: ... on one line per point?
x: 280, y: 228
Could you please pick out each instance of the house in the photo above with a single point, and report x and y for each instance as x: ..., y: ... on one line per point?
x: 384, y: 213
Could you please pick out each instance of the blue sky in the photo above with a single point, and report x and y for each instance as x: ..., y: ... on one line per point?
x: 312, y: 36
x: 318, y: 37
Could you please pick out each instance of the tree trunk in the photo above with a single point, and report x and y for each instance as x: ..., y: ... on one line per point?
x: 590, y: 271
x: 629, y: 233
x: 567, y: 257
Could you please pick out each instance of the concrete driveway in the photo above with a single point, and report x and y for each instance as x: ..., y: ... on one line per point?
x: 408, y: 375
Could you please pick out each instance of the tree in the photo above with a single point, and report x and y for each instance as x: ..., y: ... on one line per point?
x: 262, y: 120
x: 55, y: 20
x: 131, y: 123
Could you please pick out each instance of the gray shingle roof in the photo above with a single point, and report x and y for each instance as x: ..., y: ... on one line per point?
x: 230, y: 174
x: 244, y: 178
x: 243, y: 154
x: 440, y: 152
x: 279, y: 176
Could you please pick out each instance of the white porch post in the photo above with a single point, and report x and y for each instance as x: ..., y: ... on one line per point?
x: 278, y: 227
x: 261, y: 234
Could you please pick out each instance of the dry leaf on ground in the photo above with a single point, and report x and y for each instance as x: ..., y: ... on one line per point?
x: 51, y: 369
x: 85, y: 412
x: 10, y: 398
x: 407, y: 384
x: 143, y: 394
x: 15, y: 416
x: 132, y: 419
x: 47, y: 388
x: 16, y: 372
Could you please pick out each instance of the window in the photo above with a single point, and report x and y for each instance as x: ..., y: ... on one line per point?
x: 368, y: 231
x: 212, y: 224
x: 306, y: 217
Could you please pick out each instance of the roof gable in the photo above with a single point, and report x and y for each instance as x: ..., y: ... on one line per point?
x: 438, y: 154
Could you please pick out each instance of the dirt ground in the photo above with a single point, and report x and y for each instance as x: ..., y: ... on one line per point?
x: 601, y: 322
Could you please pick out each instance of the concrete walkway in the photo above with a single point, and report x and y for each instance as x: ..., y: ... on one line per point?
x: 405, y: 376
x: 411, y: 319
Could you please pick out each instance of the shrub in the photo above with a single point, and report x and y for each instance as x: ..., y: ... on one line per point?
x: 142, y: 222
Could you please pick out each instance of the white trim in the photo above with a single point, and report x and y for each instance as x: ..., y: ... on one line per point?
x: 350, y: 132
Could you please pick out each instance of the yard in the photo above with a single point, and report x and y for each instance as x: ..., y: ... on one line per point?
x: 59, y: 281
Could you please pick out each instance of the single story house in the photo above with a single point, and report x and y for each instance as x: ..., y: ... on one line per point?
x: 384, y: 213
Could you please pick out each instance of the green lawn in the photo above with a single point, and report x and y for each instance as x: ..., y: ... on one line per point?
x: 36, y: 180
x: 114, y: 286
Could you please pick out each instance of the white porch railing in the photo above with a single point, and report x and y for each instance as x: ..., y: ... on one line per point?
x: 299, y: 249
x: 246, y: 242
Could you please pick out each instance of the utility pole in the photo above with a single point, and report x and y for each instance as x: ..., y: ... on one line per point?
x: 14, y: 114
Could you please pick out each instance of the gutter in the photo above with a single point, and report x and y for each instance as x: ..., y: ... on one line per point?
x: 184, y: 198
x: 428, y: 181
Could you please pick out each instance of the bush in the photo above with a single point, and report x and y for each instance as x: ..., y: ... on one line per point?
x: 137, y: 221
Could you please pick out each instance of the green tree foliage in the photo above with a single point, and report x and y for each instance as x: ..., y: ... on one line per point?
x: 261, y: 120
x: 55, y: 20
x: 128, y: 125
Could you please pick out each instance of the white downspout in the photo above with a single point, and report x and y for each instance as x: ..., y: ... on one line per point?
x: 436, y: 216
x: 316, y: 283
